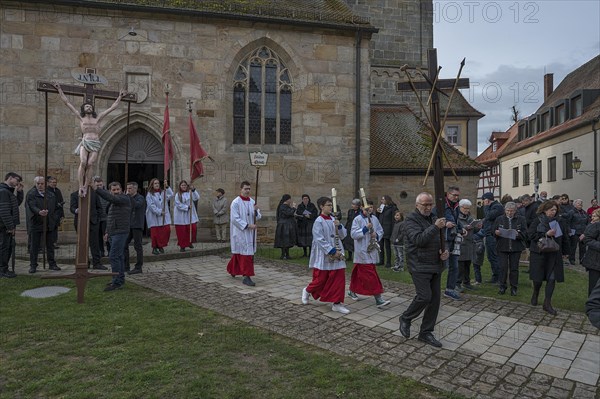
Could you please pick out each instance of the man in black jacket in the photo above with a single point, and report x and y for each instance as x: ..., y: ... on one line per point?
x: 94, y: 237
x: 41, y: 207
x: 136, y: 227
x: 492, y: 210
x: 9, y: 219
x: 425, y: 262
x: 59, y: 215
x: 117, y: 230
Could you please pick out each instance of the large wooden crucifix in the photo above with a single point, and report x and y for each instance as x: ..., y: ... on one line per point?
x: 434, y: 86
x: 89, y: 93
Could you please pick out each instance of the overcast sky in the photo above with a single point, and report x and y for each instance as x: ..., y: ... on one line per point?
x: 509, y: 46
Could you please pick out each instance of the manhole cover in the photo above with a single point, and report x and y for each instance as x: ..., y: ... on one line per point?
x: 45, y: 292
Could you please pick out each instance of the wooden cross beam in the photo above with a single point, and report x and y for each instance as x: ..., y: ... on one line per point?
x: 434, y: 86
x: 87, y: 91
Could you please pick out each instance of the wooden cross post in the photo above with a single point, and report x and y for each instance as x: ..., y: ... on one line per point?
x: 434, y: 85
x: 89, y: 94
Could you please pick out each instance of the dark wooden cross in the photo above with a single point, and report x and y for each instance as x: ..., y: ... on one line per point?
x: 434, y: 85
x: 89, y: 93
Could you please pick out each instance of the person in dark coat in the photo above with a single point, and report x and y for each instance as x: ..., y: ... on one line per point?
x: 306, y: 213
x: 40, y: 207
x: 580, y: 219
x: 509, y: 250
x: 468, y: 253
x: 592, y: 306
x: 565, y: 215
x: 492, y: 210
x: 285, y: 234
x: 398, y: 241
x: 94, y: 238
x: 348, y: 241
x: 117, y: 230
x: 136, y: 228
x: 9, y: 219
x: 546, y: 266
x: 591, y: 239
x: 425, y: 263
x: 385, y: 214
x: 59, y: 215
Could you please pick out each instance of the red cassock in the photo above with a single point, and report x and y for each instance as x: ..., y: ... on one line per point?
x: 160, y: 236
x: 328, y: 285
x: 183, y: 234
x: 241, y: 265
x: 365, y: 280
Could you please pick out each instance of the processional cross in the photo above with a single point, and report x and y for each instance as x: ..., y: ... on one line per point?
x: 434, y: 86
x: 89, y: 94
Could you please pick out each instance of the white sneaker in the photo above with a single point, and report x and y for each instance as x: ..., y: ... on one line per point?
x: 305, y: 296
x: 339, y: 307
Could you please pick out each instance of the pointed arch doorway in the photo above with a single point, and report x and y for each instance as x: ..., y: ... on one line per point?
x: 145, y: 159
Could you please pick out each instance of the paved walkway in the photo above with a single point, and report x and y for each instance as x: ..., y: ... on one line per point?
x: 492, y: 348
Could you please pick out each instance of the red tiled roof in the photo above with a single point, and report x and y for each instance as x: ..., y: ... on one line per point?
x: 487, y: 157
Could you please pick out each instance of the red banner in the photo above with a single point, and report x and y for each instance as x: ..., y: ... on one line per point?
x: 197, y: 153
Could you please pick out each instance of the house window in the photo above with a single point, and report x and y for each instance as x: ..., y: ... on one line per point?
x: 526, y: 175
x: 576, y: 106
x: 452, y: 134
x: 552, y: 169
x: 262, y: 100
x: 533, y: 127
x: 494, y: 146
x: 567, y: 166
x: 515, y: 177
x: 522, y: 131
x: 560, y: 114
x: 537, y: 172
x: 545, y: 122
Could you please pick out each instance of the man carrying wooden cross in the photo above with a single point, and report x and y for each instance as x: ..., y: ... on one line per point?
x: 90, y: 143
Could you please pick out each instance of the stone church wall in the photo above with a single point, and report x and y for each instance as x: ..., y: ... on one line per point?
x: 197, y: 58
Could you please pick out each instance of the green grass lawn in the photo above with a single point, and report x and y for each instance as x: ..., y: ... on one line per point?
x: 136, y: 343
x: 570, y: 295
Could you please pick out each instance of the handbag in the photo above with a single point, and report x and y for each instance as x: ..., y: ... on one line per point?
x: 547, y: 244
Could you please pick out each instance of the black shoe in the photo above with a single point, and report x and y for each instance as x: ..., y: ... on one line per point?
x: 248, y: 281
x: 99, y: 267
x: 135, y: 271
x: 502, y: 291
x: 54, y: 267
x: 161, y: 250
x: 513, y: 291
x: 428, y: 338
x: 32, y: 269
x: 181, y: 249
x: 7, y: 274
x: 155, y: 251
x: 191, y: 246
x: 56, y: 246
x: 112, y: 287
x: 404, y: 327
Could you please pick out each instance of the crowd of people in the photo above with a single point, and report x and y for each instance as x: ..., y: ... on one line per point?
x: 553, y: 232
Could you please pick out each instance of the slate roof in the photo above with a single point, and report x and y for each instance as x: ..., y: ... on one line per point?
x: 401, y: 143
x: 312, y: 12
x: 459, y: 107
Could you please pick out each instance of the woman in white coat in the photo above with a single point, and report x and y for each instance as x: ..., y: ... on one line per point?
x: 158, y: 215
x: 185, y: 215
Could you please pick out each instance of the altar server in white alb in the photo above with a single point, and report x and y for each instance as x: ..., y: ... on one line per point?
x: 243, y: 216
x: 185, y: 215
x: 366, y: 232
x: 327, y: 259
x: 158, y: 215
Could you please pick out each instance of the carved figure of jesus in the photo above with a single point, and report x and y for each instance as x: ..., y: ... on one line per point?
x: 90, y: 143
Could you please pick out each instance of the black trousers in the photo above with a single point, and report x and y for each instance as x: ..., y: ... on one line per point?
x: 464, y: 272
x: 95, y: 243
x: 428, y: 287
x: 386, y: 248
x: 5, y: 249
x: 101, y: 232
x: 36, y: 242
x: 136, y: 236
x: 508, y: 263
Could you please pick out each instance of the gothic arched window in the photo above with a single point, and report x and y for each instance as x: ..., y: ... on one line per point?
x: 262, y: 100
